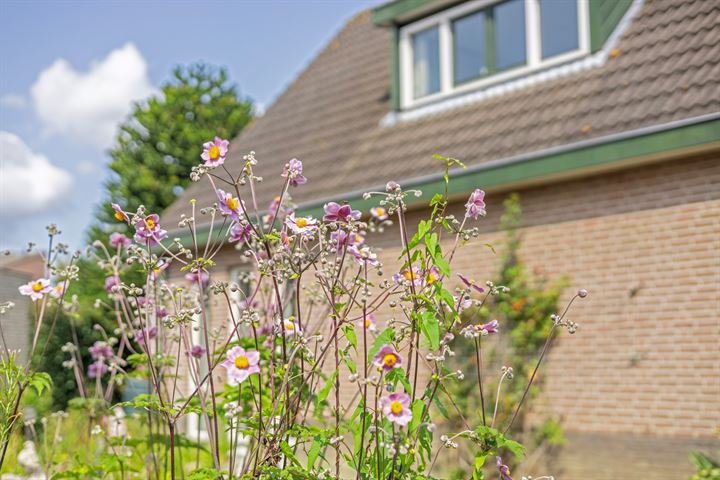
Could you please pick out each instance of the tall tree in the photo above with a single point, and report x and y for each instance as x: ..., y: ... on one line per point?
x: 161, y: 141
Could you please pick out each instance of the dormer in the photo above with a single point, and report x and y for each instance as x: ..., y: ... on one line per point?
x: 444, y: 50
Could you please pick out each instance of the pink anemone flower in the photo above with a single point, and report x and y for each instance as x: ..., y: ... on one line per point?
x: 475, y: 206
x: 241, y: 364
x: 369, y: 323
x: 335, y: 212
x: 214, y: 152
x: 293, y: 171
x: 58, y: 290
x: 387, y: 358
x: 36, y: 289
x: 379, y: 213
x: 117, y: 239
x: 363, y: 255
x: 229, y: 205
x: 119, y: 214
x: 240, y: 233
x: 300, y: 224
x: 396, y: 408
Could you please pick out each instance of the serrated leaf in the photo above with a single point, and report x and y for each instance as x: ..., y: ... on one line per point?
x: 40, y: 381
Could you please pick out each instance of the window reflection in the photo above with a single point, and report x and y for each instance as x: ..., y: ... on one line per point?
x: 426, y: 62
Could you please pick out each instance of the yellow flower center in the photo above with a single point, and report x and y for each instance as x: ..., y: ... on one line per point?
x: 367, y: 323
x: 119, y: 216
x: 390, y: 360
x: 289, y: 326
x: 380, y: 211
x: 409, y: 275
x: 233, y: 203
x: 301, y: 222
x: 396, y: 407
x: 214, y: 152
x: 241, y: 362
x: 37, y: 286
x: 431, y: 278
x: 150, y: 223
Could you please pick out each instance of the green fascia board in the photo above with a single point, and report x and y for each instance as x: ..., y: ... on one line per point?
x: 387, y: 14
x: 563, y: 161
x: 605, y: 15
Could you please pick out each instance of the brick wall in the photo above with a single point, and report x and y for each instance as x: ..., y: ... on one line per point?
x: 16, y: 323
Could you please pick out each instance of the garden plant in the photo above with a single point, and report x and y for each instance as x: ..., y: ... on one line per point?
x: 330, y: 366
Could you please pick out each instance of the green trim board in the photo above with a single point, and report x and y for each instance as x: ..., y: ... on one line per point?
x: 605, y: 15
x: 390, y: 13
x: 577, y: 159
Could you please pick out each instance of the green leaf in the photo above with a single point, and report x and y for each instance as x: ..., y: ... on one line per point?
x: 516, y: 448
x: 441, y: 407
x: 431, y: 241
x: 442, y: 265
x: 314, y: 451
x: 398, y: 374
x: 418, y: 408
x: 349, y: 331
x: 325, y: 391
x: 431, y: 330
x: 287, y: 451
x: 205, y: 474
x: 423, y: 228
x: 40, y: 381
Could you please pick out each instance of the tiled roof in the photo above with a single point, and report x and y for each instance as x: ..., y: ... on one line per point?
x: 666, y: 68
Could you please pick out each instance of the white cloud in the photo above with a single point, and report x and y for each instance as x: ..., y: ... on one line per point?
x: 12, y: 100
x: 29, y: 183
x: 88, y: 106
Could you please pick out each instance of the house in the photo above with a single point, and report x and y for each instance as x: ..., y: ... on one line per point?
x: 605, y: 116
x: 17, y: 322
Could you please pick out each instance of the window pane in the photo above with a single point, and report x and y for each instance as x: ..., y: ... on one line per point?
x: 509, y: 34
x: 426, y: 62
x: 559, y: 26
x: 469, y: 47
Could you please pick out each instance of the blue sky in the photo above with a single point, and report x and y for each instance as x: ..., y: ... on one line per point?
x: 69, y: 70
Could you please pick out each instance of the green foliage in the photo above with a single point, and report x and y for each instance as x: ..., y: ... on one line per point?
x: 51, y: 362
x: 12, y: 379
x: 525, y: 322
x: 707, y: 468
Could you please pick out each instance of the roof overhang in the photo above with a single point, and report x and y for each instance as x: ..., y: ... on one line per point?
x: 399, y: 12
x: 692, y: 136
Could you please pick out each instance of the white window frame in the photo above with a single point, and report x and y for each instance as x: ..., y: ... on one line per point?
x: 443, y: 20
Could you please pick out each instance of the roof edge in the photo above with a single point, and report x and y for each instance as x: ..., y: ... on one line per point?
x: 593, y: 156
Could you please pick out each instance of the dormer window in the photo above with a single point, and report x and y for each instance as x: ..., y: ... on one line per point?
x: 483, y: 42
